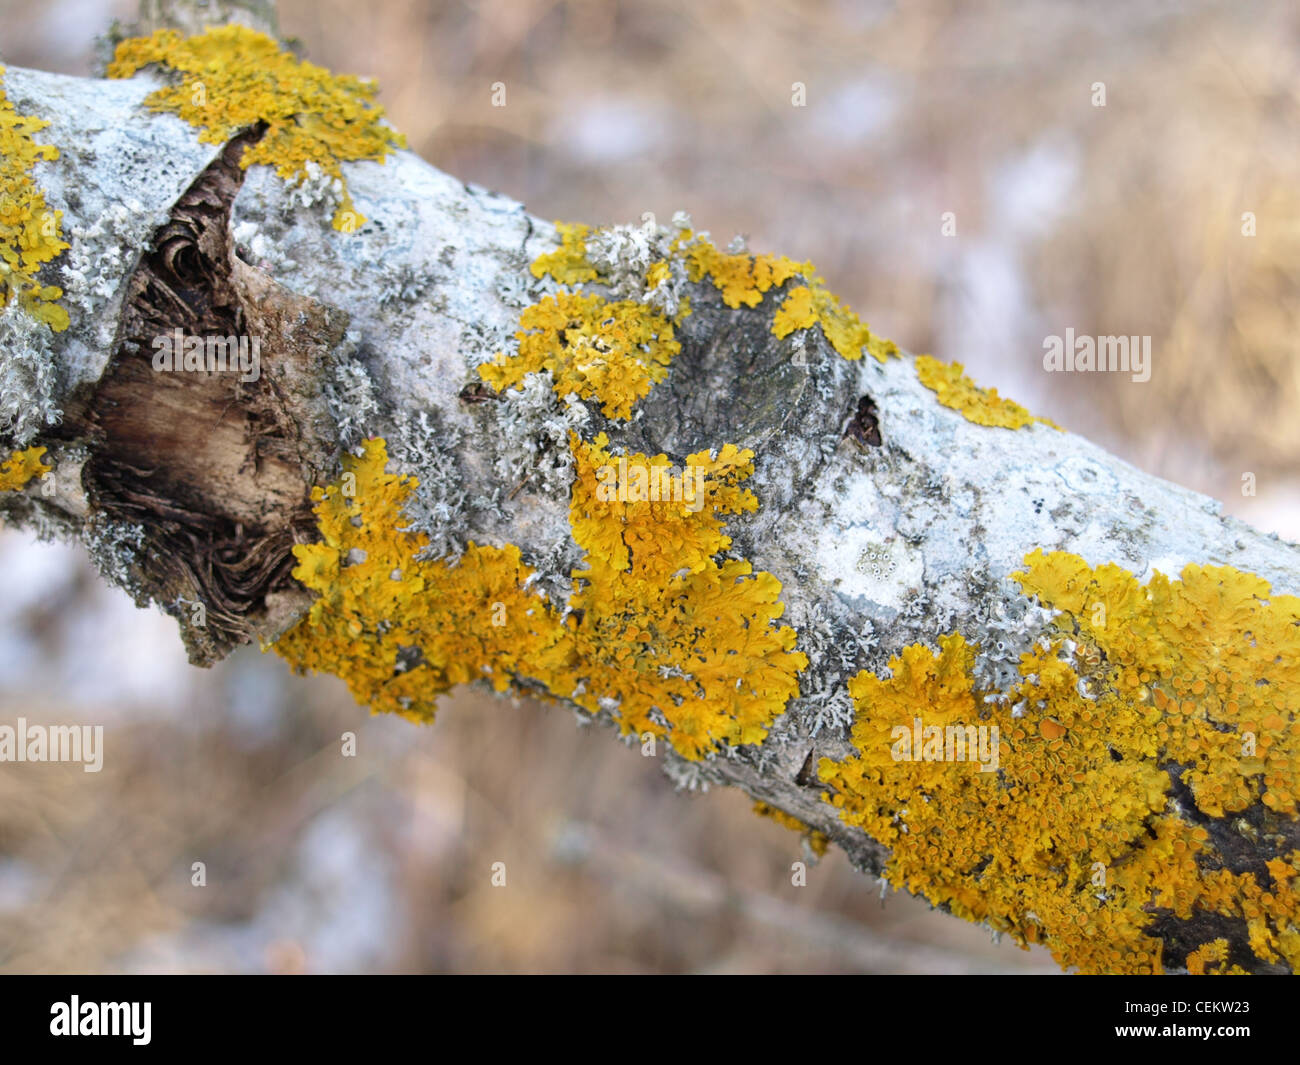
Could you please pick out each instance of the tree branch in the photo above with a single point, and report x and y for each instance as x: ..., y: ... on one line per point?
x: 1139, y: 808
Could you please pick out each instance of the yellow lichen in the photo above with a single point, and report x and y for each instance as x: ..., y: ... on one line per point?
x: 983, y: 406
x: 814, y: 304
x: 614, y: 352
x: 1074, y: 840
x: 20, y: 467
x: 30, y: 233
x: 657, y: 274
x: 797, y: 311
x: 1213, y: 658
x: 817, y: 841
x: 233, y: 78
x: 398, y: 629
x: 662, y: 629
x: 658, y: 632
x: 742, y: 277
x: 568, y: 263
x: 1208, y: 960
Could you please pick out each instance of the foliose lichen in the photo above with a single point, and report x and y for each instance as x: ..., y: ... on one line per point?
x: 568, y: 264
x: 20, y: 467
x: 30, y: 232
x: 31, y: 237
x: 664, y: 627
x: 677, y: 645
x: 233, y: 78
x: 1209, y: 960
x: 814, y: 304
x: 658, y: 629
x: 742, y: 278
x: 983, y: 406
x: 592, y: 348
x: 1146, y: 699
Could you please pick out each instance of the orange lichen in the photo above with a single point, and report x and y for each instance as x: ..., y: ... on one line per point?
x: 593, y: 348
x: 658, y: 633
x: 660, y: 627
x: 234, y: 78
x: 741, y: 277
x: 1213, y: 656
x: 568, y: 263
x: 20, y: 467
x: 1208, y: 960
x: 1074, y: 841
x: 983, y: 406
x: 817, y: 841
x: 618, y: 523
x: 30, y: 233
x: 814, y: 304
x: 398, y: 629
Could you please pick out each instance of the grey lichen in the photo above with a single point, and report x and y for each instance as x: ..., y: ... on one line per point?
x: 261, y: 249
x: 316, y: 191
x: 483, y: 341
x: 29, y: 381
x: 835, y: 652
x: 515, y: 289
x: 353, y: 401
x: 686, y: 775
x: 532, y: 426
x: 623, y: 255
x: 403, y: 284
x: 99, y: 257
x: 114, y: 548
x: 421, y: 445
x: 828, y: 710
x: 1007, y: 629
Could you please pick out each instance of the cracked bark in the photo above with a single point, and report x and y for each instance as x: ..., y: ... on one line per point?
x: 221, y: 512
x: 887, y: 518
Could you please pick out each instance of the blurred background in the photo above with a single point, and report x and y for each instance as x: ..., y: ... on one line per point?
x: 1125, y: 219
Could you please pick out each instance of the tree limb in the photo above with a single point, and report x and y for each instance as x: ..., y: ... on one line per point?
x: 889, y: 519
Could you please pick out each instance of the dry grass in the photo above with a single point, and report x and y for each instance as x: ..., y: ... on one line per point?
x: 317, y: 862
